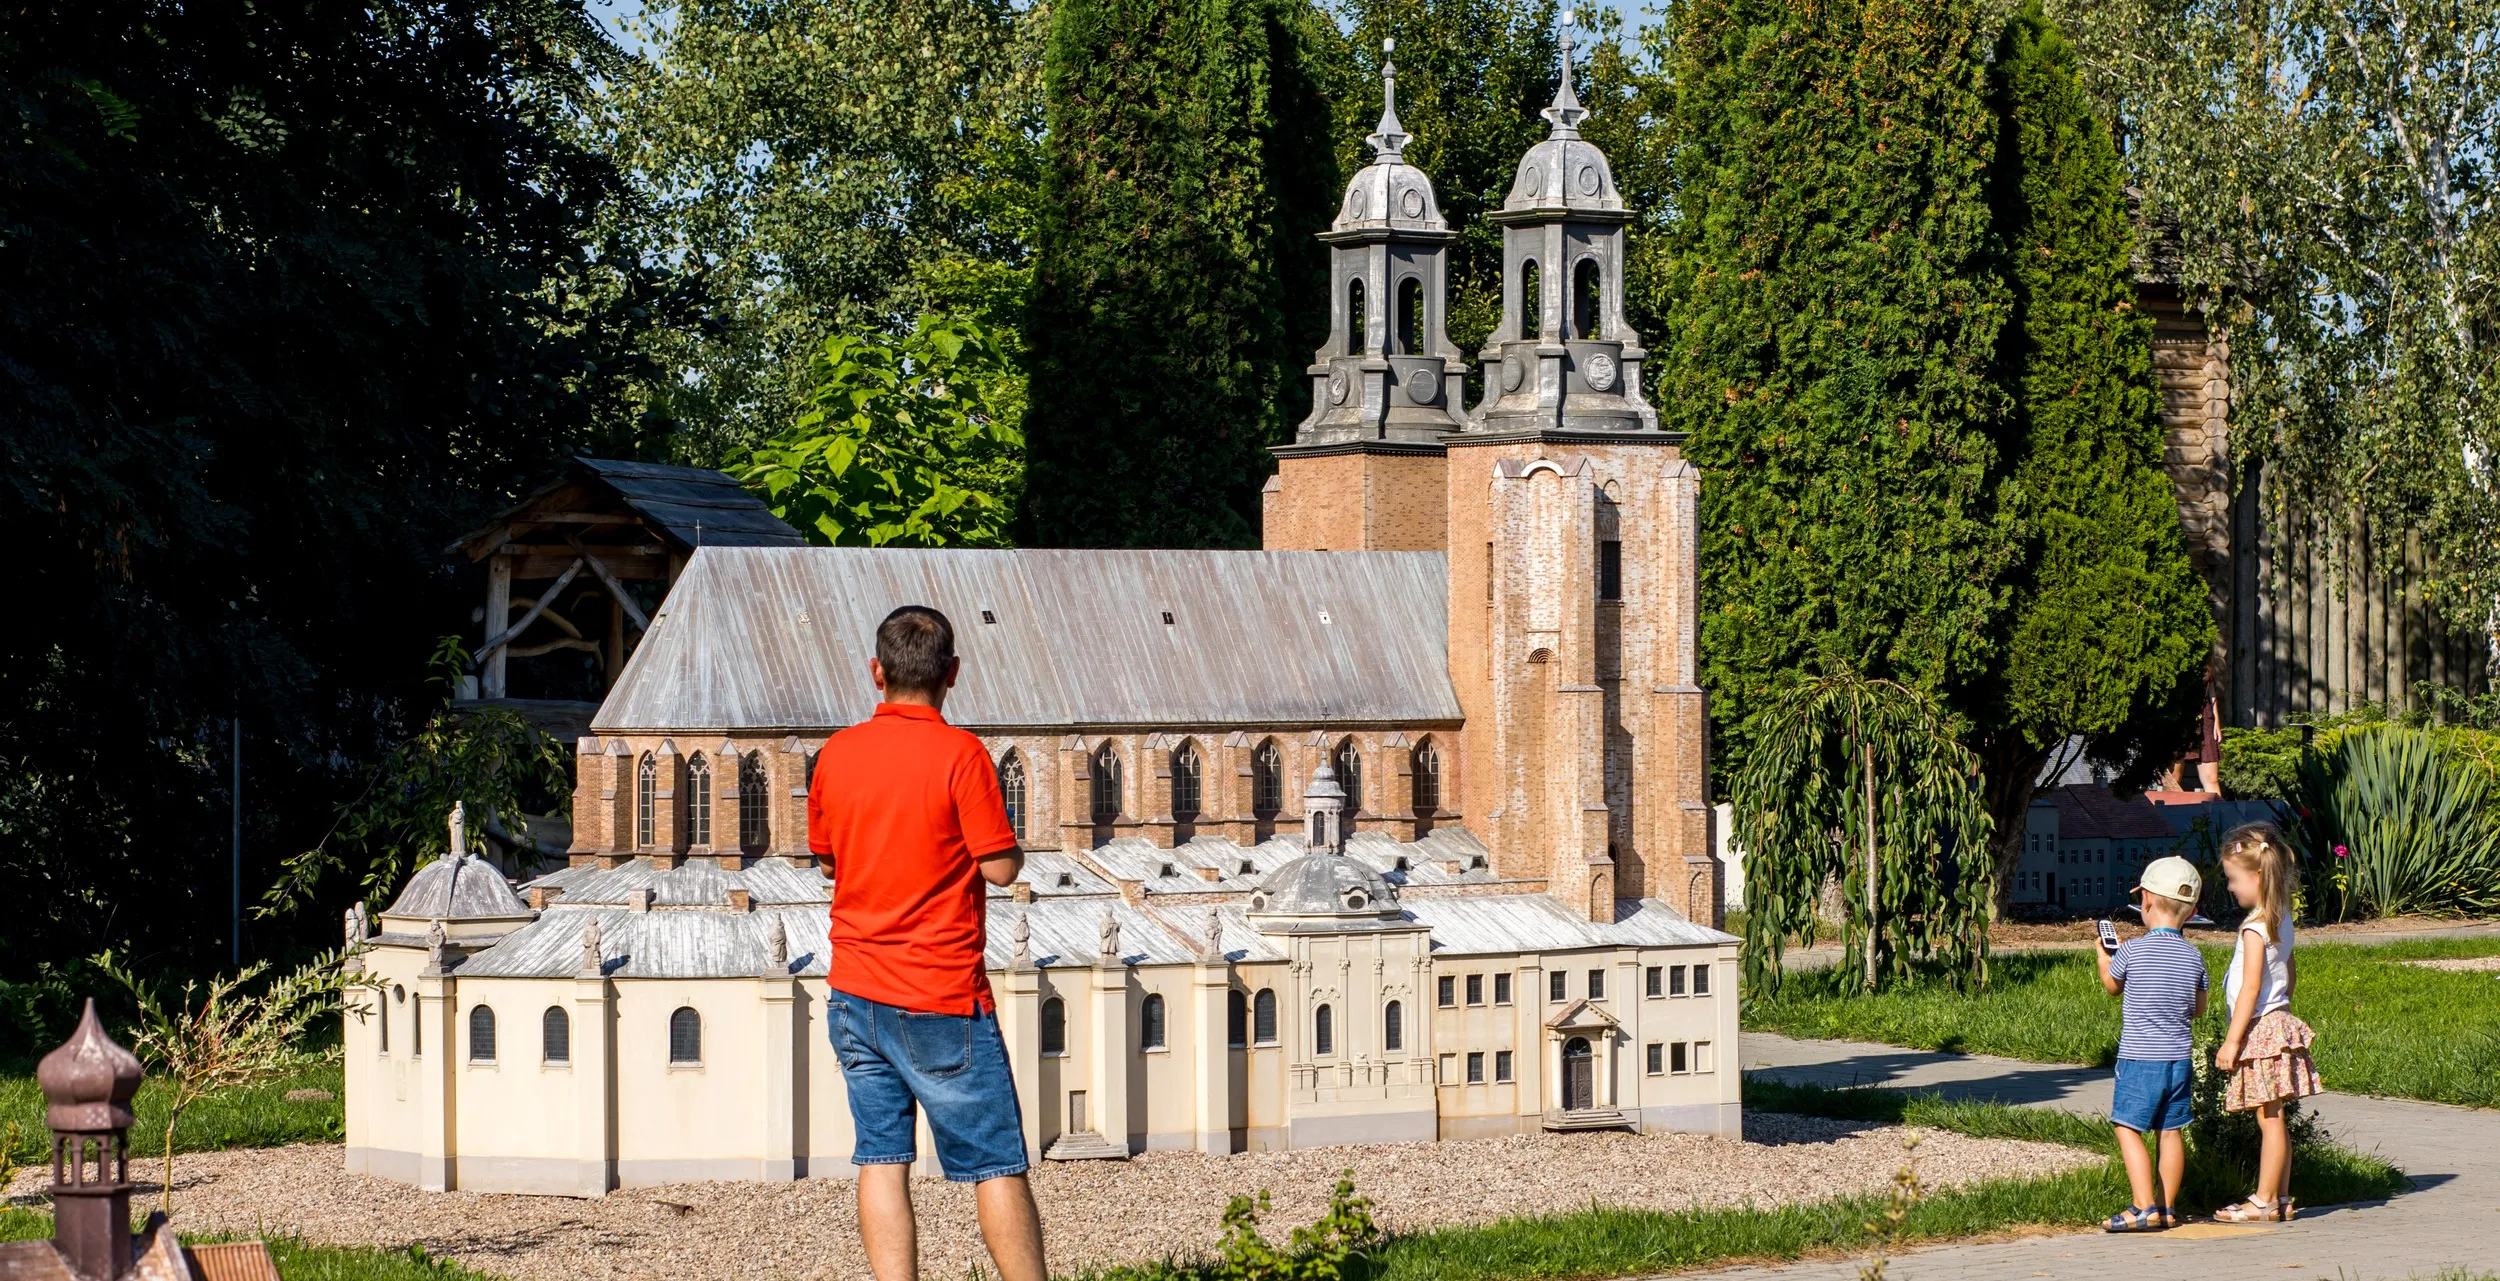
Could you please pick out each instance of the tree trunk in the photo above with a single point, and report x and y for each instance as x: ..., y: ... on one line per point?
x: 2009, y: 770
x: 1874, y: 903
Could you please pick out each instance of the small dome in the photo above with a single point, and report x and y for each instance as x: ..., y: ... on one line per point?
x: 1389, y: 194
x: 1325, y: 885
x: 88, y: 1082
x: 1564, y: 174
x: 458, y: 888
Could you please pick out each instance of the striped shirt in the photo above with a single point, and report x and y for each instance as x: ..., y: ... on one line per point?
x: 2162, y: 973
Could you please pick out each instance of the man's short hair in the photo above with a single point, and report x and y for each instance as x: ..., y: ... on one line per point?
x: 914, y: 646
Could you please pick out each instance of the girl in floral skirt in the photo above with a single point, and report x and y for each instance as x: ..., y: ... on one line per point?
x: 2266, y: 1050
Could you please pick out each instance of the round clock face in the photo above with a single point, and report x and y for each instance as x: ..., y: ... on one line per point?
x: 1337, y: 388
x: 1413, y: 203
x: 1514, y: 372
x: 1601, y: 371
x: 1422, y: 386
x: 1588, y: 180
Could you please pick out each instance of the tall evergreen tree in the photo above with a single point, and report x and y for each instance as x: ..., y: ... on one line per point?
x: 1179, y: 288
x: 1829, y: 319
x: 2109, y: 629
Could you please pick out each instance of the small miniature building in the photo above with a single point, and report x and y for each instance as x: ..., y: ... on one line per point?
x: 87, y: 1086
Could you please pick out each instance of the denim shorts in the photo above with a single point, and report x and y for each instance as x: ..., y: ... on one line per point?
x: 2153, y: 1094
x: 897, y: 1062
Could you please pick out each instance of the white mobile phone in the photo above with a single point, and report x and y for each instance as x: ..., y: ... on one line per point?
x: 2109, y: 935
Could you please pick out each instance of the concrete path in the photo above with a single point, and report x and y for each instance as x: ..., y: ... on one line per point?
x: 2450, y: 1220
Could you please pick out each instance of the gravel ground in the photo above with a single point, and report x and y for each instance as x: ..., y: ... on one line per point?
x: 2468, y: 964
x: 1094, y: 1213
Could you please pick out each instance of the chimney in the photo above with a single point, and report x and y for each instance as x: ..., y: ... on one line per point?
x: 640, y: 900
x: 87, y: 1085
x: 1210, y: 873
x: 741, y: 900
x: 1021, y: 891
x: 542, y: 895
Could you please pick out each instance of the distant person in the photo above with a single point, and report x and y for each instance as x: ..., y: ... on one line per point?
x: 905, y: 813
x: 2160, y: 978
x: 2266, y: 1050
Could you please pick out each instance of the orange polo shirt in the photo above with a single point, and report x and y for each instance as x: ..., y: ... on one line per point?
x: 902, y: 808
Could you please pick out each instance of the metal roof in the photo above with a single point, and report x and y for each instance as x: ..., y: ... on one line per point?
x: 1494, y: 923
x: 694, y: 506
x: 778, y: 639
x: 456, y: 889
x: 697, y: 884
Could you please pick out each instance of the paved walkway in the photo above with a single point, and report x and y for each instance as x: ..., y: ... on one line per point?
x: 1823, y: 956
x: 2451, y: 1218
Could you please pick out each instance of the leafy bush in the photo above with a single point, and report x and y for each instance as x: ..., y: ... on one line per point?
x: 1319, y: 1252
x: 2392, y: 820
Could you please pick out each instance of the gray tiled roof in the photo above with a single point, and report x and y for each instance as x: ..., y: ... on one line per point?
x: 699, y: 883
x: 694, y: 506
x: 1540, y: 923
x: 457, y: 888
x: 778, y: 639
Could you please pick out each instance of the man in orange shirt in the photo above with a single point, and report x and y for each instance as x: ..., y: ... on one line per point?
x: 905, y: 815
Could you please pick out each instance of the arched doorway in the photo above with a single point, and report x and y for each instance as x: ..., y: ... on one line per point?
x: 1579, y: 1083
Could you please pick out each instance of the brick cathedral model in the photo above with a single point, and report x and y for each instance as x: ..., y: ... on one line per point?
x: 1394, y: 831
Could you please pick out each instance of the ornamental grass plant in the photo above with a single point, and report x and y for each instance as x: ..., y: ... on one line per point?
x: 2394, y: 819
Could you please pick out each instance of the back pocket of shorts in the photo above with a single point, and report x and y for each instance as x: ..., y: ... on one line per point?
x: 937, y: 1044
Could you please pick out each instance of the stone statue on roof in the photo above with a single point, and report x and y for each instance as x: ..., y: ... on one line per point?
x: 1110, y: 937
x: 594, y: 961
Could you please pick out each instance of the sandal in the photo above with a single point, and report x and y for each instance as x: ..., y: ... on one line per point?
x: 2169, y: 1217
x: 2253, y: 1210
x: 2134, y: 1218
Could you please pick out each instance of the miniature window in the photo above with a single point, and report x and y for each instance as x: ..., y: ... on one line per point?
x: 1554, y: 985
x: 646, y: 800
x: 1501, y: 1065
x: 754, y: 804
x: 1185, y: 782
x: 1393, y: 1027
x: 1475, y: 989
x: 1657, y: 1061
x: 1106, y: 782
x: 1675, y: 981
x: 685, y: 1036
x: 1267, y: 780
x: 1347, y: 760
x: 698, y: 800
x: 1150, y: 1023
x: 1475, y: 1067
x: 1501, y: 989
x: 1597, y: 985
x: 1701, y: 1056
x: 416, y: 1027
x: 1011, y: 790
x: 1323, y: 1031
x: 1236, y: 1019
x: 1263, y: 1017
x: 1610, y: 569
x: 1355, y: 321
x: 1531, y: 300
x: 1448, y: 991
x: 1701, y: 980
x: 382, y: 1024
x: 1410, y: 317
x: 1427, y: 798
x: 1584, y: 292
x: 1677, y: 1058
x: 555, y: 1035
x: 1654, y: 981
x: 481, y: 1034
x: 1447, y: 1067
x: 1054, y: 1026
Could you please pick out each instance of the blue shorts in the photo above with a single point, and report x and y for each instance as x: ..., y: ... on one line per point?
x: 896, y: 1061
x: 2153, y: 1094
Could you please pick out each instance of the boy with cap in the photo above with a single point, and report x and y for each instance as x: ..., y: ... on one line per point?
x: 2160, y: 979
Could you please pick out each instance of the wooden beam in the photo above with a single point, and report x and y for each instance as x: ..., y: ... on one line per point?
x: 495, y: 644
x: 532, y: 651
x: 557, y: 549
x: 538, y: 568
x: 498, y: 610
x: 576, y: 518
x: 608, y: 580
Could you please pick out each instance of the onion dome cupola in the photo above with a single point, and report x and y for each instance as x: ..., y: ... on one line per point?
x: 1389, y: 371
x: 460, y: 892
x: 1563, y: 357
x: 1324, y: 891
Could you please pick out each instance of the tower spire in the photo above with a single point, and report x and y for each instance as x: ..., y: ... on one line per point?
x: 1566, y: 111
x: 1388, y: 138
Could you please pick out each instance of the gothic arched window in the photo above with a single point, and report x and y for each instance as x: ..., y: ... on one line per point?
x: 1106, y: 781
x: 1185, y: 782
x: 755, y: 827
x: 1150, y: 1023
x: 1531, y: 301
x: 481, y: 1034
x: 1263, y: 1017
x: 1354, y: 317
x: 698, y: 800
x: 555, y: 1035
x: 1410, y: 317
x: 1236, y: 1019
x: 1393, y: 1027
x: 1585, y: 288
x: 685, y: 1036
x: 1011, y: 790
x: 1347, y: 760
x: 1054, y: 1026
x: 1427, y: 777
x: 1323, y: 1032
x: 646, y: 801
x: 1267, y: 780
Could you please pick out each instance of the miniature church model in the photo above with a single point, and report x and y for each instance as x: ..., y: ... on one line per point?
x: 1393, y: 831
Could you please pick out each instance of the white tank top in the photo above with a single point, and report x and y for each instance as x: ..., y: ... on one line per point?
x: 2276, y: 994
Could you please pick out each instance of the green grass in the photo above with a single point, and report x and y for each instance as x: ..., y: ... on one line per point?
x: 2383, y: 1027
x: 296, y: 1260
x: 254, y: 1117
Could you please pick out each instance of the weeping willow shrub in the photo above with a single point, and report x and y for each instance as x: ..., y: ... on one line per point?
x: 2393, y: 820
x: 1801, y: 814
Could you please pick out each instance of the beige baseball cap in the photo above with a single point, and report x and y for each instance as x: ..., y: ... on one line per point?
x: 2173, y: 878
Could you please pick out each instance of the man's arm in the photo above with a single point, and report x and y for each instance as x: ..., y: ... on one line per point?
x: 1000, y: 868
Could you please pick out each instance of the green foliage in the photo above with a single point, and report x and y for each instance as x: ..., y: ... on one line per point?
x: 1830, y: 320
x: 1801, y: 803
x: 2108, y: 628
x: 2392, y: 820
x: 296, y: 293
x: 296, y: 1258
x: 829, y: 167
x: 1179, y: 288
x: 489, y: 758
x: 259, y: 1115
x: 1321, y: 1252
x: 902, y: 444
